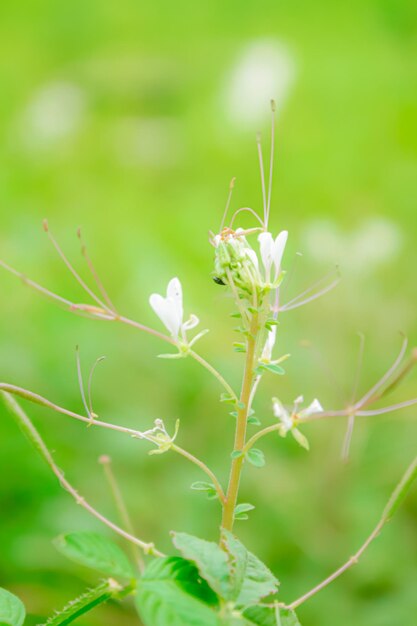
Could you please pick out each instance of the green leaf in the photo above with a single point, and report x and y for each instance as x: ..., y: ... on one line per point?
x: 172, y: 593
x: 12, y: 610
x: 256, y: 457
x: 270, y: 323
x: 253, y: 580
x: 95, y: 551
x: 275, y: 369
x: 261, y: 616
x: 239, y: 347
x: 210, y: 560
x: 253, y: 420
x: 227, y: 397
x: 208, y: 488
x: 241, y: 510
x: 200, y: 485
x: 236, y: 454
x: 288, y: 618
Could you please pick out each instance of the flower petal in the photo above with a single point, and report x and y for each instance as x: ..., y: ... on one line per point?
x: 166, y: 312
x: 269, y: 344
x: 282, y: 414
x: 279, y: 247
x: 314, y: 407
x: 266, y: 244
x: 252, y: 256
x: 174, y: 293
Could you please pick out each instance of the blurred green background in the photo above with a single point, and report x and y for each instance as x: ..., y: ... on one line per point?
x: 129, y: 119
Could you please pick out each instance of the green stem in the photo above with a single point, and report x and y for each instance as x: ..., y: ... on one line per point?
x: 394, y: 502
x: 34, y: 437
x: 205, y: 469
x: 259, y: 434
x: 241, y: 425
x: 121, y: 507
x: 86, y: 602
x: 213, y: 371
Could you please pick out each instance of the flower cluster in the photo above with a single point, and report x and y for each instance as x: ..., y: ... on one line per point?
x: 237, y: 264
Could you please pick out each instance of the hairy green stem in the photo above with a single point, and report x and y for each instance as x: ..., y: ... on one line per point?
x: 34, y: 437
x: 88, y: 601
x: 241, y: 425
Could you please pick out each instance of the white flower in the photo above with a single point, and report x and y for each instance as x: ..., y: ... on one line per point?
x: 170, y: 311
x: 314, y: 407
x: 289, y: 420
x: 272, y: 252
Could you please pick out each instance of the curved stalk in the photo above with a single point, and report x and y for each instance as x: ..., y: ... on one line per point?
x: 205, y: 469
x: 34, y: 437
x: 394, y: 502
x: 137, y: 434
x: 213, y: 371
x: 259, y: 434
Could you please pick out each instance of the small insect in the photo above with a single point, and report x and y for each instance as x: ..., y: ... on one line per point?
x: 218, y: 280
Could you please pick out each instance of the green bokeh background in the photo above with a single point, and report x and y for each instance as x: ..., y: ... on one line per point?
x: 145, y: 170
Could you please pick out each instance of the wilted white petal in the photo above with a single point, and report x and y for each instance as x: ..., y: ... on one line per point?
x: 314, y: 407
x: 282, y: 414
x: 279, y: 247
x: 191, y: 322
x: 167, y: 313
x: 299, y: 400
x: 269, y: 344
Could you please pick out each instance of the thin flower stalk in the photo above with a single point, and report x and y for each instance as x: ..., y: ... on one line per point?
x: 35, y: 438
x: 136, y: 434
x: 77, y: 277
x: 205, y: 469
x: 97, y: 313
x: 395, y: 500
x: 106, y: 463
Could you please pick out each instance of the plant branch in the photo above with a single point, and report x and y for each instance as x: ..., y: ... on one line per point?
x: 241, y: 425
x: 106, y: 314
x: 205, y: 469
x: 87, y: 601
x: 137, y: 434
x: 213, y: 371
x: 394, y: 502
x: 34, y: 437
x: 106, y: 462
